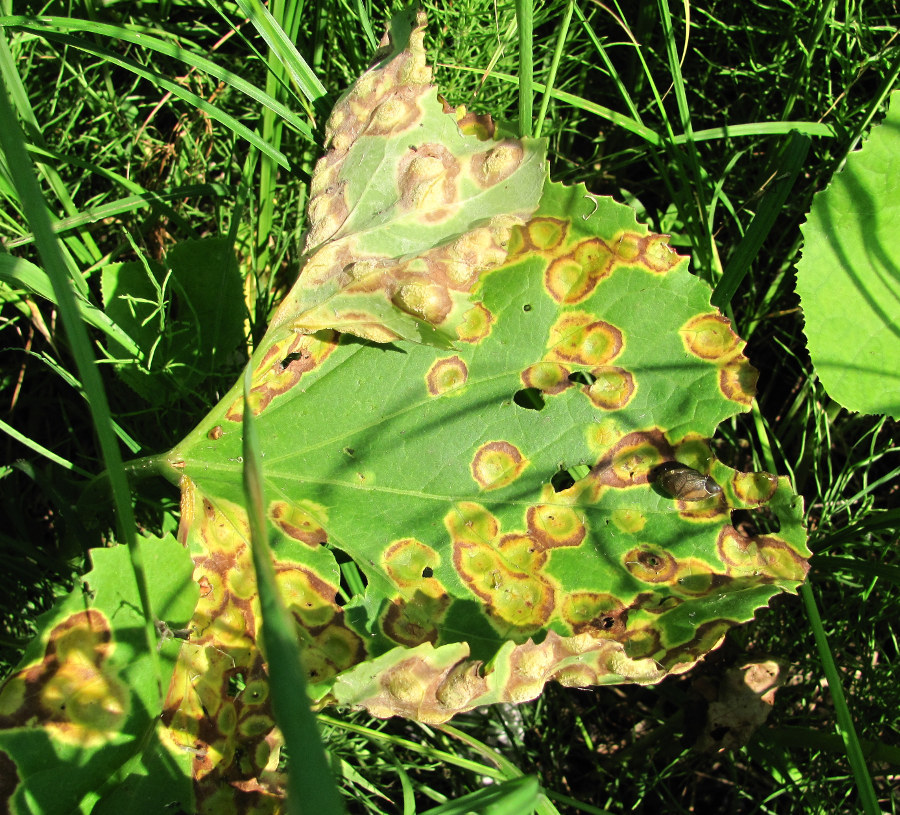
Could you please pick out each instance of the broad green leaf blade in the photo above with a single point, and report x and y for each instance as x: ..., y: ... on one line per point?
x: 848, y: 278
x: 185, y: 316
x: 82, y: 710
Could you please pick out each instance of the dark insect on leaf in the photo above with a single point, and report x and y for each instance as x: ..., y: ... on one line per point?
x: 684, y: 483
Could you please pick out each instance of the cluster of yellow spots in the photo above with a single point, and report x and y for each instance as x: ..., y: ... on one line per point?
x: 577, y: 341
x: 507, y: 570
x: 282, y: 367
x: 73, y: 690
x: 711, y: 338
x: 497, y: 464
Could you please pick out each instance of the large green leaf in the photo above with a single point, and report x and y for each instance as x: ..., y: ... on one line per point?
x: 83, y: 708
x: 435, y: 467
x: 849, y: 276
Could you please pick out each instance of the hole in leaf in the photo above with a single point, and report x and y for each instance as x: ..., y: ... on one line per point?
x: 428, y: 572
x: 562, y: 481
x: 607, y: 622
x: 291, y: 358
x: 236, y: 684
x: 529, y: 398
x: 757, y: 521
x: 526, y: 307
x: 582, y: 378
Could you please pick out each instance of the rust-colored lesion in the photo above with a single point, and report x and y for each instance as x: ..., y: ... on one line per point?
x: 599, y: 614
x: 300, y: 520
x: 579, y: 338
x: 446, y: 375
x: 650, y: 564
x: 555, y: 525
x: 612, y: 389
x: 497, y: 464
x: 494, y: 165
x: 282, y: 367
x: 428, y: 181
x: 550, y: 378
x: 476, y: 325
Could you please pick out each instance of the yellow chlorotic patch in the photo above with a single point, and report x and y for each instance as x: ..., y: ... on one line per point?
x: 709, y: 336
x: 300, y: 521
x: 548, y: 377
x: 754, y: 488
x: 471, y: 523
x: 497, y: 464
x: 544, y: 234
x: 737, y: 381
x: 475, y: 325
x: 446, y: 375
x: 73, y: 690
x: 576, y: 337
x: 521, y: 552
x: 779, y: 560
x: 411, y: 564
x: 694, y: 578
x: 552, y: 526
x: 650, y: 564
x: 602, y: 435
x: 629, y: 520
x: 612, y: 389
x: 739, y: 553
x: 305, y: 594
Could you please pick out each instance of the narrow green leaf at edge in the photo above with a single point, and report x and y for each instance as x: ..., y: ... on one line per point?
x: 308, y: 768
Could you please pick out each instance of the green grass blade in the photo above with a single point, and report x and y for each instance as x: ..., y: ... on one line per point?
x: 787, y: 169
x: 311, y: 789
x: 561, y: 34
x: 269, y: 29
x: 868, y: 800
x: 41, y: 450
x: 41, y: 25
x: 518, y: 796
x: 525, y: 20
x: 35, y: 207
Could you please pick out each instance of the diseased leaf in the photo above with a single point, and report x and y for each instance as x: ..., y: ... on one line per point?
x: 848, y: 278
x: 497, y: 482
x: 83, y: 707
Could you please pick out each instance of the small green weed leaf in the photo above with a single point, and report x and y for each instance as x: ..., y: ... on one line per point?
x: 514, y: 486
x: 82, y: 709
x: 186, y: 316
x: 849, y: 276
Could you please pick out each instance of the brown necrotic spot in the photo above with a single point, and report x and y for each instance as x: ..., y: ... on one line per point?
x: 412, y: 622
x: 427, y: 180
x: 596, y: 613
x: 545, y: 234
x: 475, y: 325
x: 497, y: 164
x: 497, y: 464
x: 430, y: 302
x: 577, y: 338
x: 215, y: 434
x: 737, y: 381
x: 553, y: 526
x: 393, y: 116
x: 612, y: 389
x: 299, y: 521
x: 709, y: 336
x: 572, y: 277
x: 548, y: 377
x: 650, y: 564
x: 446, y: 375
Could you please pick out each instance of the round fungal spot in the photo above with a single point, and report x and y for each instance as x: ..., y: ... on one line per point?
x: 497, y: 464
x: 497, y: 164
x: 738, y: 552
x: 527, y: 307
x: 612, y: 388
x: 709, y: 336
x: 552, y: 526
x: 737, y: 381
x: 469, y: 522
x: 446, y: 375
x: 650, y: 564
x: 529, y: 398
x: 546, y: 233
x: 566, y: 281
x: 778, y: 560
x: 598, y: 613
x: 407, y: 560
x: 475, y: 325
x: 629, y: 520
x: 548, y: 377
x: 577, y: 338
x: 521, y: 553
x: 695, y: 578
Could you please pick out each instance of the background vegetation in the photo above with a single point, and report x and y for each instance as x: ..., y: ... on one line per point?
x: 139, y: 147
